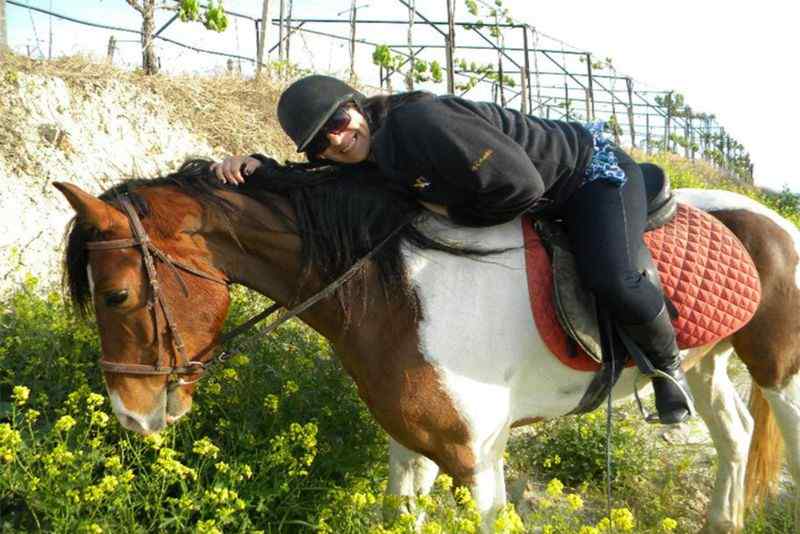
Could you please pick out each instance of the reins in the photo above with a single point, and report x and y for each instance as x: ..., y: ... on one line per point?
x: 195, y: 365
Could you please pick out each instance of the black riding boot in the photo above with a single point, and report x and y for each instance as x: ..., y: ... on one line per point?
x: 656, y: 339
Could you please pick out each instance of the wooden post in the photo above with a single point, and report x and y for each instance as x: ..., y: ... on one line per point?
x: 667, y: 121
x: 281, y: 30
x: 3, y: 31
x: 112, y: 47
x: 261, y: 37
x: 451, y: 43
x: 647, y: 131
x: 686, y: 137
x: 590, y: 90
x: 500, y: 81
x: 629, y: 85
x: 289, y: 31
x: 412, y: 56
x: 353, y: 9
x: 527, y: 103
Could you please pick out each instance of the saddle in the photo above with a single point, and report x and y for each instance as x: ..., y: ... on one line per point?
x: 709, y: 281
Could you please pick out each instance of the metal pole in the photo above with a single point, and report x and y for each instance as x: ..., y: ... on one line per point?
x: 450, y: 42
x: 647, y: 131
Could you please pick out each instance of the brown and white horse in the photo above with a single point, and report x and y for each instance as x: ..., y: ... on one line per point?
x: 448, y: 363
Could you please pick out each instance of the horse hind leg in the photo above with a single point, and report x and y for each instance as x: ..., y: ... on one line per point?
x: 410, y: 475
x: 730, y: 425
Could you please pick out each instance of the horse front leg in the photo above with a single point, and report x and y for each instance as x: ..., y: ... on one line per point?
x: 410, y: 475
x: 731, y: 427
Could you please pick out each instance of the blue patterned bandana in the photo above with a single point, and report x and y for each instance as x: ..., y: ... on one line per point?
x: 603, y: 165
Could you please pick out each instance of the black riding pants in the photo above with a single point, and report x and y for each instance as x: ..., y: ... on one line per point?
x: 605, y: 223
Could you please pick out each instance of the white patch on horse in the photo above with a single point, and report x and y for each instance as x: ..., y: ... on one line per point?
x: 141, y: 423
x: 480, y: 333
x: 711, y: 200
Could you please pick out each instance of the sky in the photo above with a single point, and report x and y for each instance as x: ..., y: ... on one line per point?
x: 735, y: 59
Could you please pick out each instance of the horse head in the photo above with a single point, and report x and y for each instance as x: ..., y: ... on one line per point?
x: 107, y: 268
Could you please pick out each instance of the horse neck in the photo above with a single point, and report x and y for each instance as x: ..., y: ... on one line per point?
x: 266, y: 259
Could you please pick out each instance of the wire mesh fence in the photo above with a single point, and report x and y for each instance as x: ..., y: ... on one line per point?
x: 392, y: 45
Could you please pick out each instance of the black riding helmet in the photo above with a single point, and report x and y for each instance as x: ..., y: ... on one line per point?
x: 308, y: 103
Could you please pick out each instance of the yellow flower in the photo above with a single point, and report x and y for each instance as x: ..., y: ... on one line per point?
x: 64, y: 423
x: 94, y: 400
x: 432, y: 527
x: 623, y: 519
x: 222, y: 467
x: 10, y: 440
x: 100, y: 419
x: 113, y: 463
x: 32, y: 415
x: 445, y: 482
x: 555, y: 487
x: 156, y: 441
x: 668, y: 524
x: 462, y: 495
x: 240, y: 360
x: 290, y: 388
x: 271, y: 403
x: 230, y: 374
x: 358, y: 499
x: 575, y: 502
x: 548, y: 529
x: 20, y: 395
x: 207, y: 527
x: 586, y: 529
x: 508, y: 522
x: 204, y: 447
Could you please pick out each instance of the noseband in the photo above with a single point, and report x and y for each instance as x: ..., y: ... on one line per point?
x: 196, y: 364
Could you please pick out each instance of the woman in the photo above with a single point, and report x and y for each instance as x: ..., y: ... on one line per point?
x: 480, y: 164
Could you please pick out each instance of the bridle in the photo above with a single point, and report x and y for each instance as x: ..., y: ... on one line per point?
x: 185, y: 365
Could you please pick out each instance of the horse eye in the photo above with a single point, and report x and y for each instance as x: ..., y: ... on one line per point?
x: 115, y: 298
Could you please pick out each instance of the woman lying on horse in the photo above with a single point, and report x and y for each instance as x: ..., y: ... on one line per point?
x: 480, y: 164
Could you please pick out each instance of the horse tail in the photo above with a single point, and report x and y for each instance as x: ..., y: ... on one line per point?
x: 765, y: 458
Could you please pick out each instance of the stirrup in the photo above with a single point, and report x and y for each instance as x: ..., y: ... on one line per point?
x: 653, y: 418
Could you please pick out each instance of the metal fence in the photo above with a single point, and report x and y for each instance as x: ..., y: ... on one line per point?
x: 510, y: 63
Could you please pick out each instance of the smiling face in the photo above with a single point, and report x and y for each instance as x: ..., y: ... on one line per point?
x: 350, y: 145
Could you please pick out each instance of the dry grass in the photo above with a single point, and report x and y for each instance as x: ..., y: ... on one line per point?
x: 235, y: 115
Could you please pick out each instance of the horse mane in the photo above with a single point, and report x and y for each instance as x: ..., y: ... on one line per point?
x: 340, y: 214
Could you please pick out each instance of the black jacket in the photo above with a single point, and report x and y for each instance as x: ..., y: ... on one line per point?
x: 486, y: 163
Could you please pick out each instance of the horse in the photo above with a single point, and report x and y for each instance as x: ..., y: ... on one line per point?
x: 435, y: 329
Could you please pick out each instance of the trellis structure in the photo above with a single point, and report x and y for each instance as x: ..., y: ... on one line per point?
x: 563, y: 84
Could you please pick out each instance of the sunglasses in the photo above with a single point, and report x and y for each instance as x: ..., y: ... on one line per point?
x: 337, y: 123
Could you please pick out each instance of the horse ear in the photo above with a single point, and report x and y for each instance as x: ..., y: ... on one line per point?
x: 90, y: 209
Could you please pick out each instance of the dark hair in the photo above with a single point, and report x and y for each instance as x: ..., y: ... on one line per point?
x: 340, y: 214
x: 375, y: 109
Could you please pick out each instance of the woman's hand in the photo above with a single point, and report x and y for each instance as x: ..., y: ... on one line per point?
x: 436, y: 208
x: 229, y: 170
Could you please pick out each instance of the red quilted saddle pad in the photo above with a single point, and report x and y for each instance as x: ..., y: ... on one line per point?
x: 705, y: 270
